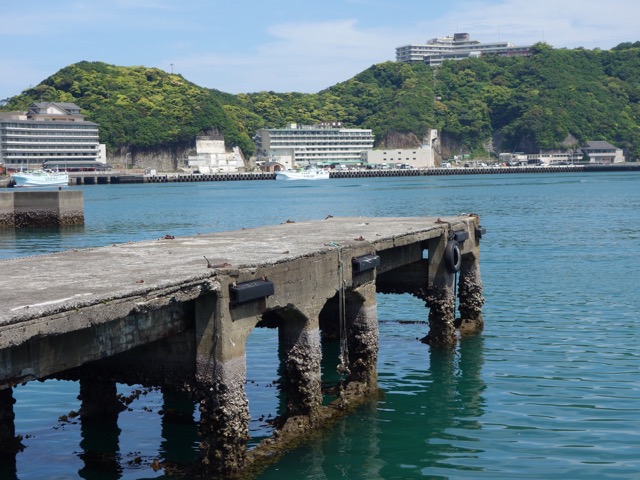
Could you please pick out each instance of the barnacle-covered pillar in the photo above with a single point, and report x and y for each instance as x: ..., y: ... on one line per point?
x: 300, y: 346
x: 361, y: 321
x: 220, y: 377
x: 440, y: 296
x: 470, y: 293
x: 99, y: 396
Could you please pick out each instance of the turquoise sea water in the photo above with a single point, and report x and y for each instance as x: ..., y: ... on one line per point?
x: 550, y: 389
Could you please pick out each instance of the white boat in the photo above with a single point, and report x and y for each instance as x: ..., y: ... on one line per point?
x: 308, y: 174
x: 40, y: 178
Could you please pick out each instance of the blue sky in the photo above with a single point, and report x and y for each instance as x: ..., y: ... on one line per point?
x: 281, y: 45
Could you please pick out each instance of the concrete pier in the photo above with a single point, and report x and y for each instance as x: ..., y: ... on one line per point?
x: 177, y: 313
x: 41, y: 208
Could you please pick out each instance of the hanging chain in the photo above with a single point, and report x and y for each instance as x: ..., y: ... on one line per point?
x: 343, y: 366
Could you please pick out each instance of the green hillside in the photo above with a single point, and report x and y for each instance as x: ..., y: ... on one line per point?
x: 136, y: 107
x: 555, y: 98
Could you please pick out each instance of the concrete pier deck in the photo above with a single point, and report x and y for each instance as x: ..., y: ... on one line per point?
x: 181, y: 309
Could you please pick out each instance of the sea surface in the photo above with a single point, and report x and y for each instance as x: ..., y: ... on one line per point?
x: 550, y: 389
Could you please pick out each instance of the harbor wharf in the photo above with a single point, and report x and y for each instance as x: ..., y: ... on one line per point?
x: 176, y: 312
x: 100, y: 178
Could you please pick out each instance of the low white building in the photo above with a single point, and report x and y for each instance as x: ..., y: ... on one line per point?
x: 602, y: 152
x: 284, y: 157
x: 212, y: 157
x: 422, y: 157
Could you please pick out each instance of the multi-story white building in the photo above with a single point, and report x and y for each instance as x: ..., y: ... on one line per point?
x: 51, y: 135
x: 456, y: 47
x: 323, y: 144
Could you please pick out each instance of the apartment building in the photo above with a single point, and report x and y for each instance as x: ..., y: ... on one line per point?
x: 323, y: 144
x: 455, y: 47
x: 50, y: 135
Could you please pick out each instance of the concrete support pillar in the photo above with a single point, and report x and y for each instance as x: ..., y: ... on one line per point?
x: 221, y: 375
x: 99, y: 397
x: 300, y: 344
x: 440, y: 297
x: 470, y: 295
x: 224, y: 419
x: 361, y: 315
x: 9, y: 443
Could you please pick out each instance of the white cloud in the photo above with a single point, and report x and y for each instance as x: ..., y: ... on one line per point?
x: 566, y: 24
x: 17, y: 75
x: 301, y: 57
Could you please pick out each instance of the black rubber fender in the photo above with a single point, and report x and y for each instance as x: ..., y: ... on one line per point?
x: 453, y: 256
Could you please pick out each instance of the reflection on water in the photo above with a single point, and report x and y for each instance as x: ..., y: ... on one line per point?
x: 425, y: 422
x: 179, y: 430
x: 37, y: 241
x: 100, y: 448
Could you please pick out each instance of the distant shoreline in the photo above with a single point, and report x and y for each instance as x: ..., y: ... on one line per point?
x: 101, y: 178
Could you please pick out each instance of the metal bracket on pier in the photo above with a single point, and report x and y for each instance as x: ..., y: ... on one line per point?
x: 364, y: 263
x: 249, y: 291
x: 480, y: 231
x: 460, y: 236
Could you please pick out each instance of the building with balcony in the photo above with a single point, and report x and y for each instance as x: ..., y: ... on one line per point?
x: 50, y: 135
x: 324, y: 144
x: 456, y: 47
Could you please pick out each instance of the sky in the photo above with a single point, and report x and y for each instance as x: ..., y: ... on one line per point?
x: 242, y: 46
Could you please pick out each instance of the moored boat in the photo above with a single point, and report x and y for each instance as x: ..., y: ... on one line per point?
x: 40, y: 178
x: 308, y: 174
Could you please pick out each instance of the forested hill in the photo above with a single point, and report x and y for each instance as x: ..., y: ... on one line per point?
x: 555, y: 98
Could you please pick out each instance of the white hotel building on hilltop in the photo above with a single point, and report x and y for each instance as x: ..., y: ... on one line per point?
x: 50, y: 135
x: 456, y: 47
x: 303, y: 145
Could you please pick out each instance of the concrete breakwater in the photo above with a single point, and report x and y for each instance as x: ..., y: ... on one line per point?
x: 41, y: 208
x: 176, y: 313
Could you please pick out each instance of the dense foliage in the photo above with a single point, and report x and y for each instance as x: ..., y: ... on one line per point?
x: 556, y: 98
x: 136, y: 106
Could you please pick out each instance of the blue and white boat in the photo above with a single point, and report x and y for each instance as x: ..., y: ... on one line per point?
x: 40, y: 178
x: 307, y: 174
